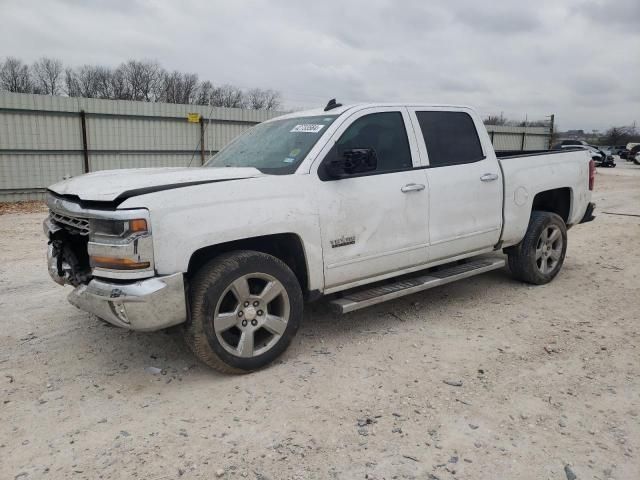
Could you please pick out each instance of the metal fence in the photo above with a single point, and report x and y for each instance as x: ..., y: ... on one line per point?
x: 45, y: 139
x: 520, y: 138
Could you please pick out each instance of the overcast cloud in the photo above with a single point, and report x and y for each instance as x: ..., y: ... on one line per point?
x: 579, y: 59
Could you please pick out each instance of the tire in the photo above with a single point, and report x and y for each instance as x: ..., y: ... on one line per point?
x: 231, y: 302
x: 538, y: 258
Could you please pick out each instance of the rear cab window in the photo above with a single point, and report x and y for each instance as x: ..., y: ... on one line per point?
x: 451, y: 138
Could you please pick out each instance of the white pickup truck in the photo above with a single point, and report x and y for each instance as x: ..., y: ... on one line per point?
x: 359, y: 203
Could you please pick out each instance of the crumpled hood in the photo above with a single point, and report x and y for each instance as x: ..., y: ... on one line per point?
x: 118, y: 185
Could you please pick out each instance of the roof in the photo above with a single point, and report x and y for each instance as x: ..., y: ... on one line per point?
x: 360, y: 106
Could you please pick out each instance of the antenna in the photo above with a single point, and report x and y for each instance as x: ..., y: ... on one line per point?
x: 331, y: 105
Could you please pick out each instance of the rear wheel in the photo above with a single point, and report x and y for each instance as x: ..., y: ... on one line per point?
x: 245, y: 309
x: 539, y: 256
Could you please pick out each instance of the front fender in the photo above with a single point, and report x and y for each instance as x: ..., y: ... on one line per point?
x: 189, y: 219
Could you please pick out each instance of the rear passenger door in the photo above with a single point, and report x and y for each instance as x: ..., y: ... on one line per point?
x: 464, y: 179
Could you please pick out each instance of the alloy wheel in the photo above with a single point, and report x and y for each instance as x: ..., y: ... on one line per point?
x: 251, y: 315
x: 549, y: 249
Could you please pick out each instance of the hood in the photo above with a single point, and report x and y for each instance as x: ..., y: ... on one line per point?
x: 118, y: 185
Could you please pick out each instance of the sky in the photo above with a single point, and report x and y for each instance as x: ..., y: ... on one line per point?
x: 578, y: 59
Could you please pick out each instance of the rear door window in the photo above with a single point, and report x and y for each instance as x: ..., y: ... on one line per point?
x: 450, y: 137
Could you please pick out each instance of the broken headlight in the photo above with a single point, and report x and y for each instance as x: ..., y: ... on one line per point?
x: 120, y: 245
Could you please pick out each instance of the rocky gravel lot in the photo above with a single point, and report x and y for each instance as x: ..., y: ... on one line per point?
x: 486, y: 378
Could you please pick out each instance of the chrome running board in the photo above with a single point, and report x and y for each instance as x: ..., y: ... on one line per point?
x: 355, y: 300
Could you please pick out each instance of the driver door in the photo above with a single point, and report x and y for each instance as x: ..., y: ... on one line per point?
x: 373, y: 223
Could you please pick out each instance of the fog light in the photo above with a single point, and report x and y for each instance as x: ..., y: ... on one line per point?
x: 119, y: 311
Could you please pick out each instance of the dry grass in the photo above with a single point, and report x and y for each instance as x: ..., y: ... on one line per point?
x: 33, y: 206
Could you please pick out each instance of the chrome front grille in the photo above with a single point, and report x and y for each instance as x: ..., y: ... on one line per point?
x: 77, y: 225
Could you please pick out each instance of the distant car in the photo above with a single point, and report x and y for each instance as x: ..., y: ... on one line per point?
x: 620, y: 150
x: 601, y: 158
x: 607, y: 150
x: 564, y: 143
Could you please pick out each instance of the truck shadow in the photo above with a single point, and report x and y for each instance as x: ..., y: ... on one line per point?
x: 435, y: 304
x: 165, y: 357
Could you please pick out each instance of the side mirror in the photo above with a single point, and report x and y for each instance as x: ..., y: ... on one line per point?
x: 596, y: 158
x: 353, y: 161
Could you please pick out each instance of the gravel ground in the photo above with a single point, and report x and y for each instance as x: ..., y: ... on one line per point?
x: 486, y: 378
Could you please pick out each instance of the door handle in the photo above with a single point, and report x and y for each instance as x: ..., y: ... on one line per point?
x: 489, y: 177
x: 412, y: 187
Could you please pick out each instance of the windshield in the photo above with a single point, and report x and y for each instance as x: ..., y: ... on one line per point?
x: 275, y: 147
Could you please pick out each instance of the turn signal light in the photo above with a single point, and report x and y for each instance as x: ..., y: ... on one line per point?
x: 138, y: 225
x: 114, y: 263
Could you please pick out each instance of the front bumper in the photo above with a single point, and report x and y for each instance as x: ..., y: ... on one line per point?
x: 145, y: 305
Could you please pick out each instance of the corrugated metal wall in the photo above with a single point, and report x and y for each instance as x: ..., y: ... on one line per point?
x: 519, y: 138
x: 41, y: 138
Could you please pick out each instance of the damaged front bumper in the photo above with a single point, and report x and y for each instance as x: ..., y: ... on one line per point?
x: 145, y: 305
x: 148, y: 304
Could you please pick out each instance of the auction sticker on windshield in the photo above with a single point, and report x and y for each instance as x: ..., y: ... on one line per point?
x: 307, y: 128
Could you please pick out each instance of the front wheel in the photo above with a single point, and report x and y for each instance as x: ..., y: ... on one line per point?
x: 246, y: 307
x: 539, y: 256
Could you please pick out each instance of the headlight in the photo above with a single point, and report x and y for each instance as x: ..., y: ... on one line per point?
x: 117, y: 229
x: 120, y: 245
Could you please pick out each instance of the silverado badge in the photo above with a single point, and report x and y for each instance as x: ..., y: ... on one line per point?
x: 343, y: 241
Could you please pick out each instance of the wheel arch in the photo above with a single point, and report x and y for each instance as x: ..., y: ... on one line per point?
x: 287, y: 247
x: 556, y: 200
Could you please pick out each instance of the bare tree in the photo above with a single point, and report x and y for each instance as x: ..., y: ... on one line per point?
x: 619, y: 135
x: 259, y: 99
x: 84, y: 81
x: 179, y: 87
x: 47, y: 73
x: 495, y: 120
x: 171, y: 87
x: 103, y: 82
x: 227, y: 96
x: 189, y: 87
x: 119, y: 87
x: 15, y: 77
x: 143, y: 79
x: 71, y: 87
x: 203, y: 95
x: 502, y: 120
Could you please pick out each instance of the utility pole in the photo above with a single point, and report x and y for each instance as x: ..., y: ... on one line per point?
x: 209, y: 129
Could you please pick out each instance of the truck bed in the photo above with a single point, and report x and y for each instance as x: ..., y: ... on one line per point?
x: 525, y: 174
